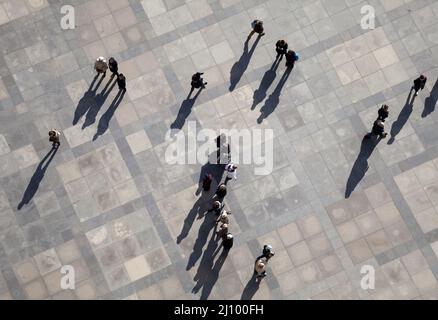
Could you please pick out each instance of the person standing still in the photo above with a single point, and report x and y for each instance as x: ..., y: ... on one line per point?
x: 54, y: 137
x: 377, y: 130
x: 281, y: 48
x: 113, y: 66
x: 227, y: 241
x: 260, y: 268
x: 121, y: 82
x: 257, y: 27
x: 100, y: 66
x: 291, y: 57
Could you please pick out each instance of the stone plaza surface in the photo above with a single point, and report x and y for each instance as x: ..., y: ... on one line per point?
x: 131, y: 225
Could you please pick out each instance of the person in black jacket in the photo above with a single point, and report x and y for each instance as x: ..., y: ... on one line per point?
x: 281, y: 48
x: 383, y: 113
x: 227, y: 241
x: 113, y: 66
x: 291, y: 57
x: 206, y: 182
x: 121, y: 82
x: 221, y: 191
x: 257, y: 27
x: 377, y: 130
x: 419, y: 83
x: 197, y: 82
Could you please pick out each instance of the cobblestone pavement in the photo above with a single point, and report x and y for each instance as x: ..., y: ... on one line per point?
x: 131, y: 225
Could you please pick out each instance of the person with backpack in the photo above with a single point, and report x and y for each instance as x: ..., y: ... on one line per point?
x: 419, y: 83
x: 377, y: 130
x: 281, y: 48
x: 257, y: 27
x: 291, y: 57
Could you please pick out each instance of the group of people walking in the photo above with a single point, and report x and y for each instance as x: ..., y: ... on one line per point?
x: 101, y: 67
x: 378, y: 129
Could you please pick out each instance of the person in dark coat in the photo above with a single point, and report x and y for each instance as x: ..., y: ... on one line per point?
x: 291, y: 57
x: 377, y: 130
x: 281, y: 48
x: 419, y: 83
x: 206, y: 182
x: 257, y: 27
x: 197, y: 82
x: 121, y: 82
x: 221, y: 191
x: 383, y: 113
x: 268, y: 253
x: 227, y: 241
x: 113, y: 66
x: 217, y: 207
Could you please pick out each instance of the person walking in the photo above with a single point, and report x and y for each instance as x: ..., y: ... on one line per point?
x: 377, y: 130
x: 221, y: 192
x: 281, y: 48
x: 206, y: 182
x: 100, y: 66
x: 54, y: 137
x: 217, y: 207
x: 224, y: 217
x: 227, y: 241
x: 231, y: 172
x: 260, y: 268
x: 383, y: 113
x: 223, y: 230
x: 121, y: 82
x: 197, y: 82
x: 419, y: 83
x: 291, y: 57
x: 257, y: 27
x: 267, y: 252
x: 113, y: 66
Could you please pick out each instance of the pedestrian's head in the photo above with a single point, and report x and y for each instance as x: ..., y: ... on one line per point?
x: 222, y: 187
x: 228, y: 212
x: 267, y: 247
x: 282, y: 42
x: 422, y: 77
x: 121, y: 76
x: 261, y: 264
x: 100, y: 59
x: 234, y: 167
x: 216, y: 205
x: 229, y: 236
x: 385, y: 107
x: 380, y: 123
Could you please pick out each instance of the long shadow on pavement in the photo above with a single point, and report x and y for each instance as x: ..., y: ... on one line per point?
x: 430, y: 102
x: 37, y: 177
x: 402, y: 118
x: 87, y: 101
x: 360, y: 166
x: 106, y: 117
x: 251, y: 288
x: 239, y: 68
x: 184, y: 111
x: 267, y: 80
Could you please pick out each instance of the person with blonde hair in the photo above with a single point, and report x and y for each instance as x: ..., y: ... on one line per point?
x: 54, y: 137
x: 101, y: 66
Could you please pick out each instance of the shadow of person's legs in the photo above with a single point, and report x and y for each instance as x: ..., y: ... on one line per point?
x: 268, y: 78
x: 106, y: 117
x: 402, y: 118
x: 213, y: 275
x: 360, y: 166
x: 37, y: 177
x: 430, y: 102
x: 274, y: 99
x: 251, y: 288
x: 184, y: 111
x: 198, y: 209
x: 239, y: 68
x: 99, y: 100
x: 87, y: 101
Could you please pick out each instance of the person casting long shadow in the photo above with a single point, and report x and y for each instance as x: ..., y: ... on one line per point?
x: 430, y: 102
x: 402, y: 118
x: 240, y: 66
x: 274, y: 99
x: 106, y: 117
x: 251, y: 288
x: 268, y: 78
x: 184, y: 111
x: 208, y: 270
x: 99, y: 100
x: 37, y: 177
x: 87, y: 100
x: 207, y: 225
x: 360, y: 166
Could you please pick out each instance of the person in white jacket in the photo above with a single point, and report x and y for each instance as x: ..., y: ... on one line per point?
x: 231, y: 172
